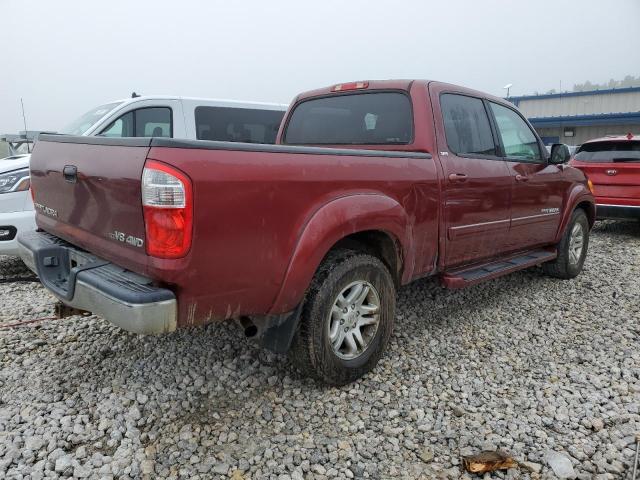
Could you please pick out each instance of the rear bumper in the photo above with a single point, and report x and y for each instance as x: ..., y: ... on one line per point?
x: 84, y: 281
x: 12, y: 224
x: 620, y: 212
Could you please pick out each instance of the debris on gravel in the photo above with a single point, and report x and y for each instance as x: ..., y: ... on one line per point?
x: 524, y: 364
x: 488, y: 461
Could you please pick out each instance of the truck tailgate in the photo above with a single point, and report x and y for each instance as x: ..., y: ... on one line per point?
x: 87, y: 191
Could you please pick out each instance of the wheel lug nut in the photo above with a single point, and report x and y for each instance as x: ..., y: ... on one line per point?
x: 345, y: 310
x: 346, y: 329
x: 341, y: 322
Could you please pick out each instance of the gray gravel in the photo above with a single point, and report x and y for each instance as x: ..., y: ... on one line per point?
x: 543, y: 369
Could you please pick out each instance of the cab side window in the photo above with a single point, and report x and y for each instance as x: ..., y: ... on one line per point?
x: 153, y: 122
x: 466, y: 125
x: 144, y: 122
x: 122, y: 127
x: 518, y: 140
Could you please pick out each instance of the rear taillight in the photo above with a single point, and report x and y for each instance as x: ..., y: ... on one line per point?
x: 167, y: 201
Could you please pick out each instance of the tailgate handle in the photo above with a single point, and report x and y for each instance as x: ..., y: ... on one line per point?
x: 70, y: 173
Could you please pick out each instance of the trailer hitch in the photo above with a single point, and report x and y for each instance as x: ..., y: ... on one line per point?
x: 64, y: 311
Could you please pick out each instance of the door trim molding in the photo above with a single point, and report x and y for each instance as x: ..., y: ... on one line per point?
x: 475, y: 228
x: 541, y: 217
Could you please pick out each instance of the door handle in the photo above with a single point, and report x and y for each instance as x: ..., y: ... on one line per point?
x: 458, y: 177
x: 70, y: 173
x: 522, y: 178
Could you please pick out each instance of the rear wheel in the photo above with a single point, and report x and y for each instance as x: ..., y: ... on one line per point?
x: 347, y: 318
x: 572, y: 249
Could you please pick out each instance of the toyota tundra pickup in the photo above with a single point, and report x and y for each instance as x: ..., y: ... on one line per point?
x: 371, y: 185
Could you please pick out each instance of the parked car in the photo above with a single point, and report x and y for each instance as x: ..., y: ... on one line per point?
x: 613, y: 165
x: 143, y: 116
x: 182, y: 117
x: 372, y: 185
x: 16, y: 207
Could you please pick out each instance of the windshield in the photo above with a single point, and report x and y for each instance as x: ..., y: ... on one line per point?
x: 383, y: 118
x: 607, y: 152
x: 82, y: 124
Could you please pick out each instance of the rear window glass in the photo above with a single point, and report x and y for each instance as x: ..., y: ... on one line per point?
x: 383, y: 118
x: 606, y: 152
x: 237, y: 124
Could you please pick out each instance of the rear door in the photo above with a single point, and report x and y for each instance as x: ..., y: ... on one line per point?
x: 537, y: 188
x: 476, y: 180
x: 613, y: 166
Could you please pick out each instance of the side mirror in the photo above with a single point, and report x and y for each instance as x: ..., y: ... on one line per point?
x: 559, y: 154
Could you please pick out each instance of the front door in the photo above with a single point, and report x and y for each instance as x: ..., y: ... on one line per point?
x: 476, y: 183
x: 537, y: 188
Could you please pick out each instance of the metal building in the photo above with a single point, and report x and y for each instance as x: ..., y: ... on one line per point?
x: 574, y: 117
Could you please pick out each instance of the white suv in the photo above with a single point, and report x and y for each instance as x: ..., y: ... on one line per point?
x: 16, y: 207
x: 139, y: 116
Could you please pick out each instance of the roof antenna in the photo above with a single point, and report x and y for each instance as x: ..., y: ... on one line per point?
x: 134, y: 95
x: 24, y: 121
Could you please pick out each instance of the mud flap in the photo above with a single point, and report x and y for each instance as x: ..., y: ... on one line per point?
x: 278, y: 337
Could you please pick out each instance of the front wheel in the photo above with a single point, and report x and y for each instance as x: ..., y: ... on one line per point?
x: 347, y: 318
x: 572, y: 249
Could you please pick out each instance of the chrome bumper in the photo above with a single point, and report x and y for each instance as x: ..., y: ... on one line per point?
x: 86, y: 282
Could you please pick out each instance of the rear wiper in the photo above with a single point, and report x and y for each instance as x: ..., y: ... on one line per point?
x: 626, y: 159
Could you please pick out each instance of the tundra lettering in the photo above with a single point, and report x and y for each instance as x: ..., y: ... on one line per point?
x: 46, y: 210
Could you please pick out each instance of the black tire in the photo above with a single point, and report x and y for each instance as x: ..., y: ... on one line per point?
x: 562, y: 266
x: 311, y: 350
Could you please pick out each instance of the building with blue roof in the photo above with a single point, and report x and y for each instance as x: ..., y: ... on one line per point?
x: 575, y: 117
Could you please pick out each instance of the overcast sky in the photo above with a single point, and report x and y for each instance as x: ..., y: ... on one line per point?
x: 65, y: 57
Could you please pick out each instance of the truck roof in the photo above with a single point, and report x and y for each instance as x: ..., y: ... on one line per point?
x: 217, y: 102
x: 397, y: 84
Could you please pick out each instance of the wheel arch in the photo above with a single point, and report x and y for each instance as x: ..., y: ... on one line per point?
x: 590, y: 209
x: 373, y: 223
x: 579, y: 197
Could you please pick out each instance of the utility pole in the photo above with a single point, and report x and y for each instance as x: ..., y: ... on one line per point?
x: 24, y: 121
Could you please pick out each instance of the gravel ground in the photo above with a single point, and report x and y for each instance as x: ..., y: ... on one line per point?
x: 526, y: 364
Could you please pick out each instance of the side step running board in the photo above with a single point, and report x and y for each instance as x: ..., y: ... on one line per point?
x: 467, y: 276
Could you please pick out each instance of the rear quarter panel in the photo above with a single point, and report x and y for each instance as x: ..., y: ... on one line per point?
x: 251, y: 209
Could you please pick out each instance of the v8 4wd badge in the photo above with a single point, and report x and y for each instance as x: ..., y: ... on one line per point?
x: 124, y: 238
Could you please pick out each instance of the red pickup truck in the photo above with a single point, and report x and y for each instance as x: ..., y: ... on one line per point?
x: 372, y: 185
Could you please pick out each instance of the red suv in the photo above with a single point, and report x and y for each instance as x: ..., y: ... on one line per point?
x: 613, y: 166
